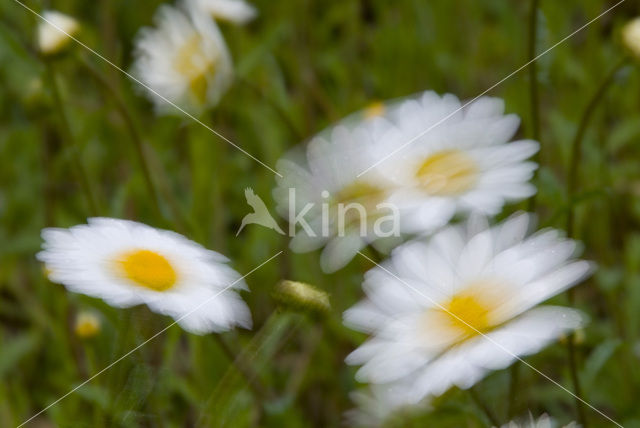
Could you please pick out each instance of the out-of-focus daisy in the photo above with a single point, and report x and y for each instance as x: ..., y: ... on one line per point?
x: 380, y: 405
x: 543, y: 421
x: 126, y: 263
x: 87, y: 324
x: 184, y: 59
x: 55, y: 31
x: 631, y: 36
x: 336, y: 208
x: 236, y: 11
x: 463, y: 163
x: 446, y: 311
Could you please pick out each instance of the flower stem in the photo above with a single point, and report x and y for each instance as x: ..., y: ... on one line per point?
x: 577, y: 390
x: 513, y: 388
x: 85, y: 183
x: 533, y: 84
x: 109, y: 90
x: 142, y: 149
x: 574, y: 162
x: 576, y: 146
x: 239, y: 361
x: 482, y: 405
x: 276, y: 107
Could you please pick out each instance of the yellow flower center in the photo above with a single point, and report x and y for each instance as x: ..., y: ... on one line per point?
x: 147, y: 269
x: 468, y: 314
x: 448, y: 172
x: 195, y: 66
x: 362, y: 193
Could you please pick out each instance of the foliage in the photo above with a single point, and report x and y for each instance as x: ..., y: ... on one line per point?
x: 300, y: 65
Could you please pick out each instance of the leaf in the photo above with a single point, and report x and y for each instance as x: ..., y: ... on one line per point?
x: 12, y: 352
x: 597, y: 359
x: 95, y: 394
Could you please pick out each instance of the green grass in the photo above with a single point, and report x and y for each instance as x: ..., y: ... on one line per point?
x: 301, y: 65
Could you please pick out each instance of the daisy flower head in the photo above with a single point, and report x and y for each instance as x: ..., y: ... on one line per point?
x: 126, y: 263
x: 455, y: 158
x: 443, y: 312
x: 543, y: 421
x: 184, y: 60
x: 380, y: 405
x: 235, y: 11
x: 55, y: 31
x: 320, y: 192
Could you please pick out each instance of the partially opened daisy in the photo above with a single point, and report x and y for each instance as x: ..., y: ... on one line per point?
x: 631, y: 37
x: 236, y: 11
x: 321, y: 193
x: 55, y: 31
x: 452, y: 159
x: 445, y: 311
x: 184, y: 60
x: 126, y: 263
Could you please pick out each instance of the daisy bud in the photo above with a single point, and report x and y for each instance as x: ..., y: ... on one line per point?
x: 87, y: 325
x: 375, y: 109
x: 55, y: 32
x: 631, y: 37
x: 301, y: 296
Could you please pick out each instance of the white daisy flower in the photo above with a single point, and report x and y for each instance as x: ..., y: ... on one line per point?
x: 55, y: 31
x: 631, y: 36
x: 236, y: 11
x: 322, y: 193
x: 184, y: 59
x: 463, y: 163
x: 428, y: 304
x: 126, y: 263
x: 379, y: 405
x: 543, y: 421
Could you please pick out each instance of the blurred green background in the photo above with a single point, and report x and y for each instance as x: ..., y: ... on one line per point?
x: 300, y: 65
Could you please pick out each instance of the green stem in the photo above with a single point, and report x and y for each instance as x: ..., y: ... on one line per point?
x: 572, y: 177
x: 533, y: 84
x: 240, y: 362
x: 576, y: 146
x: 109, y: 90
x: 300, y: 367
x: 276, y: 107
x: 142, y: 149
x: 222, y: 166
x: 68, y: 137
x: 483, y: 406
x: 513, y: 389
x: 575, y: 379
x: 533, y: 71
